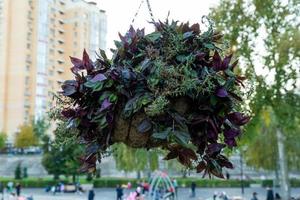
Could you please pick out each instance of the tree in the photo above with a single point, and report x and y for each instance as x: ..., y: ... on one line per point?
x: 26, y: 137
x: 2, y: 140
x: 18, y: 172
x: 130, y: 159
x: 267, y: 37
x: 40, y: 127
x: 25, y: 174
x: 61, y: 156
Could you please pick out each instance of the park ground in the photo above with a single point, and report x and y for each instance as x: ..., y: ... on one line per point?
x: 183, y: 193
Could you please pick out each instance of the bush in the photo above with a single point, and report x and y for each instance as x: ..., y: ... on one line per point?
x: 18, y: 172
x: 112, y: 182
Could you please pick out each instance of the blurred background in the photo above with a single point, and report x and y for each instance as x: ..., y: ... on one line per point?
x: 38, y: 36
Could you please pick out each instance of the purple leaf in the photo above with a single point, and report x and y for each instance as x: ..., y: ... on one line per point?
x: 231, y: 133
x: 114, y: 74
x: 68, y: 113
x: 69, y: 87
x: 221, y: 92
x: 99, y: 77
x: 238, y: 118
x: 77, y: 65
x: 195, y: 28
x: 110, y: 118
x: 87, y: 63
x: 144, y: 126
x: 214, y: 148
x: 217, y: 61
x: 226, y: 62
x: 105, y: 104
x: 200, y: 56
x: 230, y: 142
x: 234, y: 64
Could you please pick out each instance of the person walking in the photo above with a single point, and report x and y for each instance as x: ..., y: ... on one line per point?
x: 277, y: 196
x: 254, y: 196
x: 91, y: 195
x: 119, y: 191
x: 270, y: 194
x: 18, y: 189
x: 175, y: 185
x: 193, y: 189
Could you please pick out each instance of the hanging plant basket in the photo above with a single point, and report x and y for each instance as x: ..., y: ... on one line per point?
x: 174, y: 88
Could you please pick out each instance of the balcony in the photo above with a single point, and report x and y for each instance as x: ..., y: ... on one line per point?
x: 60, y: 71
x: 60, y: 51
x: 61, y: 22
x: 61, y: 41
x: 60, y: 61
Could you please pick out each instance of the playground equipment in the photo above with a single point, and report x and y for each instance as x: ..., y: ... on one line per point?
x: 161, y: 187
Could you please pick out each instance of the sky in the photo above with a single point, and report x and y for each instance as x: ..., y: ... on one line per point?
x: 121, y: 12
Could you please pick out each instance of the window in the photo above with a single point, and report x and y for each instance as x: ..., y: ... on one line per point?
x: 27, y: 80
x: 27, y: 68
x: 52, y: 31
x: 28, y: 46
x: 28, y: 35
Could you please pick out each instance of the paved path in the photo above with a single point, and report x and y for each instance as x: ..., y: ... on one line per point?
x: 109, y: 194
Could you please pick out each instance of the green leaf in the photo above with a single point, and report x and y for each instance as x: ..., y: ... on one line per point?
x: 103, y: 54
x: 113, y: 98
x: 153, y: 36
x: 103, y: 122
x: 162, y: 135
x: 181, y: 58
x: 181, y: 137
x: 209, y: 45
x: 188, y: 34
x: 144, y: 126
x: 95, y: 86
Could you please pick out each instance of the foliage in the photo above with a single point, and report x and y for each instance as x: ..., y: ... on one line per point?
x: 174, y: 88
x: 26, y: 137
x: 18, y: 172
x: 62, y: 159
x: 25, y: 174
x: 40, y: 126
x: 111, y: 182
x: 266, y: 34
x: 130, y: 159
x: 2, y: 140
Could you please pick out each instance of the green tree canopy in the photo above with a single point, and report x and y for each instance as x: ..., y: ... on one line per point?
x: 26, y: 137
x: 130, y: 159
x: 267, y: 38
x: 2, y: 140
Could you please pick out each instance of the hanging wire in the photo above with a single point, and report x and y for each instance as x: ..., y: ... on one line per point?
x: 139, y: 8
x: 137, y: 12
x: 150, y: 10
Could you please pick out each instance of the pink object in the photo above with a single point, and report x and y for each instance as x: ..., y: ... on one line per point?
x: 131, y: 196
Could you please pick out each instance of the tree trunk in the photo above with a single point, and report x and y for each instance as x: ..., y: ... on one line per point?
x: 55, y: 176
x: 138, y: 174
x: 283, y: 165
x: 74, y: 178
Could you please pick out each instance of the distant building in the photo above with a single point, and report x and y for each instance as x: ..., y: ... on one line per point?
x: 36, y: 39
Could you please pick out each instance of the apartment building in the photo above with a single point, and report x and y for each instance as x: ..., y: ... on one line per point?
x: 36, y: 39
